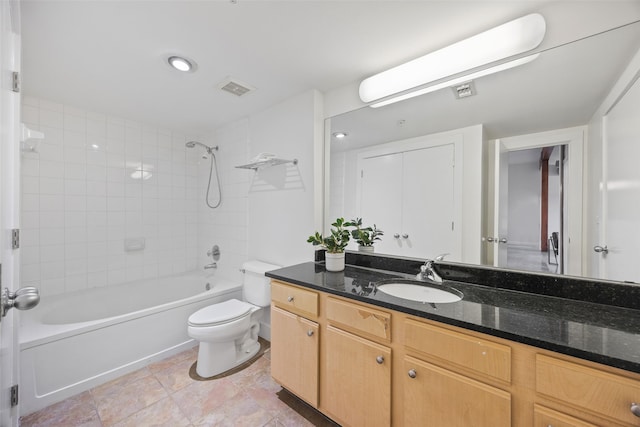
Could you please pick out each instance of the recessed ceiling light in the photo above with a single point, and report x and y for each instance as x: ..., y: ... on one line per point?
x: 340, y: 135
x: 181, y: 63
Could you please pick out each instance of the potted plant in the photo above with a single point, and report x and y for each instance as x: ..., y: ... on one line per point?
x: 335, y: 244
x: 364, y: 236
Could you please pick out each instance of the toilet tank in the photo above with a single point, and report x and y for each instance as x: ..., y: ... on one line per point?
x: 256, y: 288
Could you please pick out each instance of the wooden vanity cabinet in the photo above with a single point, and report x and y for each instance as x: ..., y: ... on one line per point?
x: 363, y: 365
x: 356, y: 367
x: 295, y: 341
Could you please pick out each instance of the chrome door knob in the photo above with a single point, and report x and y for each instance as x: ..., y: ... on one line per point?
x: 635, y: 409
x: 601, y: 249
x: 412, y: 373
x: 23, y: 299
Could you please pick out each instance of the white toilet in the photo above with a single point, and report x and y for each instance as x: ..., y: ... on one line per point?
x: 228, y: 331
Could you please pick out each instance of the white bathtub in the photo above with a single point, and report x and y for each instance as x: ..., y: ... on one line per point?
x: 71, y: 343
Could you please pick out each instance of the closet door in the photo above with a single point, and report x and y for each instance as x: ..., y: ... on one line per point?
x: 428, y: 207
x: 381, y: 199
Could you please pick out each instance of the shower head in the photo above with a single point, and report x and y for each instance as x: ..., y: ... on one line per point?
x: 192, y: 144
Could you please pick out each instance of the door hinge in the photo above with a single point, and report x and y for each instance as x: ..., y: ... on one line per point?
x: 15, y: 238
x: 15, y: 81
x: 14, y: 395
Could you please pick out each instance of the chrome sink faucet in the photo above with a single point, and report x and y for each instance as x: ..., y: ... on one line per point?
x: 428, y: 272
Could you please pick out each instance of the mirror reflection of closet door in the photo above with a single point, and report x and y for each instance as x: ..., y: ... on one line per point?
x: 412, y: 197
x: 620, y: 236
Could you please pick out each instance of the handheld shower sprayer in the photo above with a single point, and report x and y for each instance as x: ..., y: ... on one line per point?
x: 192, y: 144
x: 210, y: 151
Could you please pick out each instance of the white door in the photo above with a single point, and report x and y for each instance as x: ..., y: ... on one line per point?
x: 621, y: 190
x: 429, y: 224
x: 381, y: 199
x: 500, y: 238
x: 9, y: 196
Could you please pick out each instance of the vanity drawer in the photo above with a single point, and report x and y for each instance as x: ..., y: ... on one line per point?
x: 595, y: 391
x: 545, y: 417
x: 294, y: 299
x: 358, y: 318
x: 476, y: 354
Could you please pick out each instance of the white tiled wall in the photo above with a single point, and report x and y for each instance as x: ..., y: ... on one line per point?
x: 80, y: 200
x: 226, y: 226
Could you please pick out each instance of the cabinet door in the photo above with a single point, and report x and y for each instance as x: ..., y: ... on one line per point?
x: 436, y: 397
x: 294, y: 354
x: 357, y: 380
x: 381, y: 199
x: 428, y: 204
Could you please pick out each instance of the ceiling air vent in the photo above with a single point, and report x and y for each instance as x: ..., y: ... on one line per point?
x: 235, y: 87
x: 464, y: 90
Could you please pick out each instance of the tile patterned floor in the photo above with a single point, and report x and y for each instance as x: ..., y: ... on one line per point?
x: 163, y: 394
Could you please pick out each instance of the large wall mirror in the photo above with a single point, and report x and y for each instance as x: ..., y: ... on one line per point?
x: 502, y: 169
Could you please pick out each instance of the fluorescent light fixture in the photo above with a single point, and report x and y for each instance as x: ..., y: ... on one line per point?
x: 514, y: 37
x: 456, y: 81
x: 181, y: 64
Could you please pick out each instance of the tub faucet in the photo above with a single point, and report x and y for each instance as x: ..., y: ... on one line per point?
x: 212, y: 265
x: 428, y: 272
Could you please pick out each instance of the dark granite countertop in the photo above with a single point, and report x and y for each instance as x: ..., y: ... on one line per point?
x: 602, y: 333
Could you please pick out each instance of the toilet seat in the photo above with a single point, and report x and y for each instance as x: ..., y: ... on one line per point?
x: 221, y: 313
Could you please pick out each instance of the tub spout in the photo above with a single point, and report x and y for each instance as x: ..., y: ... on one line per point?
x: 212, y: 265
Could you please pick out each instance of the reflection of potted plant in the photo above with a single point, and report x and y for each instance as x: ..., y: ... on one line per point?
x: 364, y: 236
x: 334, y: 244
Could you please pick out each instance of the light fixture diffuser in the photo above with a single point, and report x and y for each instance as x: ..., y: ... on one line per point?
x: 182, y: 64
x: 513, y: 38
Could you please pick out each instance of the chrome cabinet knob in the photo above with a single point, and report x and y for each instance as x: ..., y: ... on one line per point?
x: 491, y: 239
x: 310, y: 333
x: 412, y: 373
x: 503, y: 240
x: 635, y: 409
x: 290, y: 299
x: 405, y: 236
x: 380, y: 360
x: 601, y: 249
x: 396, y: 236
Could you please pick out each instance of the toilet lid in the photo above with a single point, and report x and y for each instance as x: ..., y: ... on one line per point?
x: 222, y: 312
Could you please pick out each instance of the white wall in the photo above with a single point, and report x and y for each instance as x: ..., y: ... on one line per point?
x: 80, y: 202
x: 524, y: 204
x: 281, y: 199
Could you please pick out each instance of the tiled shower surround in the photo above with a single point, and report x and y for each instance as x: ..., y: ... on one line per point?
x: 96, y: 181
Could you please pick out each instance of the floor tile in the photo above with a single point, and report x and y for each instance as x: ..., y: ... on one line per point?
x: 164, y: 413
x: 204, y: 397
x: 79, y: 410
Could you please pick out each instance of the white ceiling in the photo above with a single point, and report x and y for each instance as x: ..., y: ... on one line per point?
x: 109, y: 56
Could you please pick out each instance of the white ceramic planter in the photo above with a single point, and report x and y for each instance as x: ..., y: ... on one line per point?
x: 334, y: 262
x: 366, y: 249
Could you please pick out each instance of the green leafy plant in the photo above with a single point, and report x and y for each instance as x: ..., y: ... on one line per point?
x: 364, y: 236
x: 336, y: 241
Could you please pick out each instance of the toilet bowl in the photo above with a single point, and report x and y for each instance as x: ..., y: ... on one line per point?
x: 228, y: 331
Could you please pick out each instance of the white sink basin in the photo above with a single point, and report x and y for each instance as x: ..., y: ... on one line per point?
x: 419, y: 291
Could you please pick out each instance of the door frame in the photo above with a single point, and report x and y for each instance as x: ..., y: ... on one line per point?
x: 573, y: 219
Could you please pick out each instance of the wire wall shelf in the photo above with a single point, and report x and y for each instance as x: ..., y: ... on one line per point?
x: 266, y: 163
